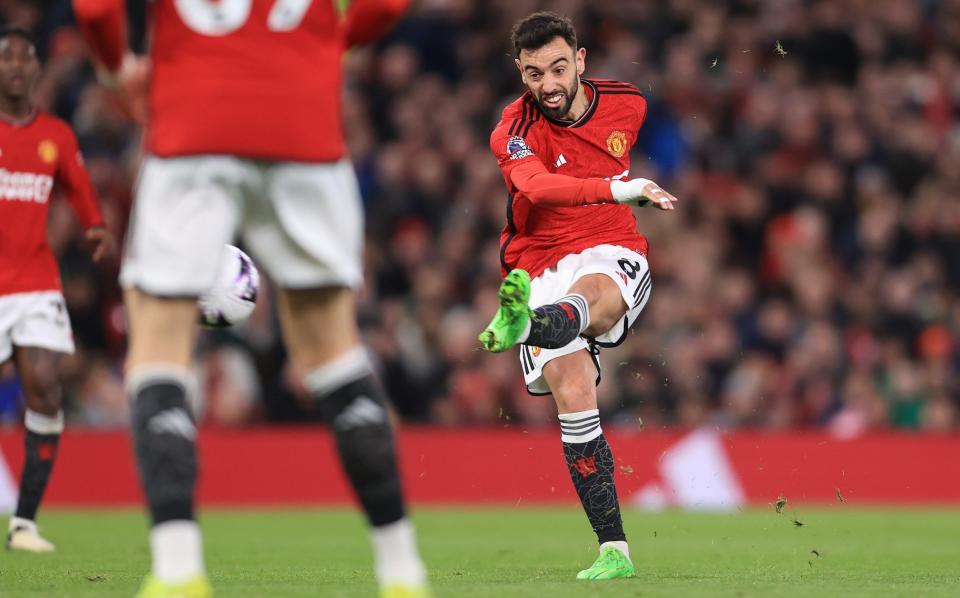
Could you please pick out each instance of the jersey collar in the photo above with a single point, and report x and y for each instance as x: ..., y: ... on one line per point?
x: 587, y: 114
x: 19, y: 122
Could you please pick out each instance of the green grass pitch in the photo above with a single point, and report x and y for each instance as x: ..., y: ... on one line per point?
x: 519, y: 552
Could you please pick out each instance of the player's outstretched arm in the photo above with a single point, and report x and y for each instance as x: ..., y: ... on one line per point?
x: 548, y: 189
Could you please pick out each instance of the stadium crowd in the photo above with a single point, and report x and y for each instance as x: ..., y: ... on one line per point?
x: 810, y: 277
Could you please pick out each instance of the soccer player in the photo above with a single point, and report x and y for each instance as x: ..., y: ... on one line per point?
x: 244, y: 136
x: 38, y: 153
x: 564, y: 149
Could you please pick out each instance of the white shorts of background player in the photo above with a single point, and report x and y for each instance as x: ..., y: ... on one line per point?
x: 626, y: 268
x: 302, y: 222
x: 37, y: 319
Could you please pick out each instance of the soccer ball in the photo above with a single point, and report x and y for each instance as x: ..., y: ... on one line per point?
x: 234, y: 294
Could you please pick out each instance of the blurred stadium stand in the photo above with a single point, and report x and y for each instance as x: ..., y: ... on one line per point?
x: 809, y: 279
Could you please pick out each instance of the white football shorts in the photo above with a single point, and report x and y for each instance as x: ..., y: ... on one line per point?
x: 627, y: 268
x: 302, y: 222
x: 38, y: 319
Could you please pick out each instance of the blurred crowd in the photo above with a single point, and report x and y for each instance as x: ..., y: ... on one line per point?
x: 809, y: 279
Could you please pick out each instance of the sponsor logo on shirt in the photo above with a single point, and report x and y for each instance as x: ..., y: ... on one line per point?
x: 560, y: 161
x: 25, y: 186
x: 48, y: 152
x: 617, y: 143
x: 517, y: 148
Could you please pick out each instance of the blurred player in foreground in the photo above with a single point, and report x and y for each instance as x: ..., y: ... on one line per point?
x: 38, y: 152
x: 244, y: 136
x: 564, y: 149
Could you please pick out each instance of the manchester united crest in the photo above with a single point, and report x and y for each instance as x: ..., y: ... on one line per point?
x: 535, y: 351
x: 47, y: 150
x: 617, y: 144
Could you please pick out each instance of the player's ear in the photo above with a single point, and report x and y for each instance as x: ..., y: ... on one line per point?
x: 516, y: 61
x: 581, y: 60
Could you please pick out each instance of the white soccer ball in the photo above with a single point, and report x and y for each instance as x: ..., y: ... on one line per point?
x: 234, y: 295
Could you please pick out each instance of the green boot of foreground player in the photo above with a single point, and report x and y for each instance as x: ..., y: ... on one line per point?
x: 198, y: 587
x: 611, y: 564
x: 512, y: 317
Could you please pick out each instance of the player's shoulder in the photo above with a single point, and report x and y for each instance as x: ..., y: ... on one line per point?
x: 518, y: 116
x: 54, y: 124
x: 616, y: 96
x: 612, y: 87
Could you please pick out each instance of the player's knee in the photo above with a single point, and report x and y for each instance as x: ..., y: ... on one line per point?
x: 43, y: 396
x: 575, y: 393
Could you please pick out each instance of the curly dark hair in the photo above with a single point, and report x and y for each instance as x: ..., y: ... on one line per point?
x: 538, y: 29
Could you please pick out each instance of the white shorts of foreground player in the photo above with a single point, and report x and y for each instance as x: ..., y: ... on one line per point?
x: 36, y: 319
x: 626, y: 268
x: 303, y: 223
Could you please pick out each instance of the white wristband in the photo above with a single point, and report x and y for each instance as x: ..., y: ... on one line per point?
x: 628, y: 191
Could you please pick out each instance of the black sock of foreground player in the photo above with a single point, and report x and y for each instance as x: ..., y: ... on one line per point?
x: 354, y: 405
x: 557, y: 324
x: 164, y: 439
x: 41, y: 441
x: 590, y: 464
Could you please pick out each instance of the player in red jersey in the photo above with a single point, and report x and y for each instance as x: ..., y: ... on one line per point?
x: 564, y: 149
x: 244, y: 136
x: 38, y: 153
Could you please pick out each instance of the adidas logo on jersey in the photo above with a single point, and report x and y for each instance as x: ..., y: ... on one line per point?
x: 25, y: 186
x: 560, y: 161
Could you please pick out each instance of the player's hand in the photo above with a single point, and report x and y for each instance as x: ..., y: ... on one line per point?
x: 643, y: 193
x: 104, y: 245
x: 130, y: 83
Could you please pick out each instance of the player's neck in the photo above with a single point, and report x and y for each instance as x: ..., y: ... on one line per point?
x: 580, y: 104
x: 15, y: 109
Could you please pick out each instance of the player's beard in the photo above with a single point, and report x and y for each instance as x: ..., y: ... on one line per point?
x: 568, y: 97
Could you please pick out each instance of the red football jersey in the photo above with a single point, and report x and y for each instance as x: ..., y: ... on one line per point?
x: 597, y: 146
x: 253, y: 78
x: 36, y: 154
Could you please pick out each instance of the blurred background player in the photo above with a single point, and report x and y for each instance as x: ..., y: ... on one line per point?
x: 38, y: 153
x: 245, y: 136
x: 564, y: 149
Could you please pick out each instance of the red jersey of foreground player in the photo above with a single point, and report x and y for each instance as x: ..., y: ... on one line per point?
x: 273, y: 65
x: 562, y: 215
x: 36, y: 155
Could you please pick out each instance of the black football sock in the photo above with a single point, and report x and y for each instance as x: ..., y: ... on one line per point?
x: 42, y: 439
x: 352, y: 402
x: 590, y: 464
x: 557, y: 324
x: 164, y: 439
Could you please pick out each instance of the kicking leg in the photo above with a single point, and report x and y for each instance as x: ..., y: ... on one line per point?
x: 589, y: 460
x: 592, y: 306
x: 321, y: 334
x: 43, y: 420
x: 159, y: 384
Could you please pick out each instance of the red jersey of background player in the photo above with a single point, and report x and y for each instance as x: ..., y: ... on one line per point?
x: 36, y: 155
x: 597, y: 148
x: 269, y: 64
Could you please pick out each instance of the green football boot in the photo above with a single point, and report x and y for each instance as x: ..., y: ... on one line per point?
x: 512, y: 317
x: 611, y: 564
x: 198, y: 587
x: 404, y: 591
